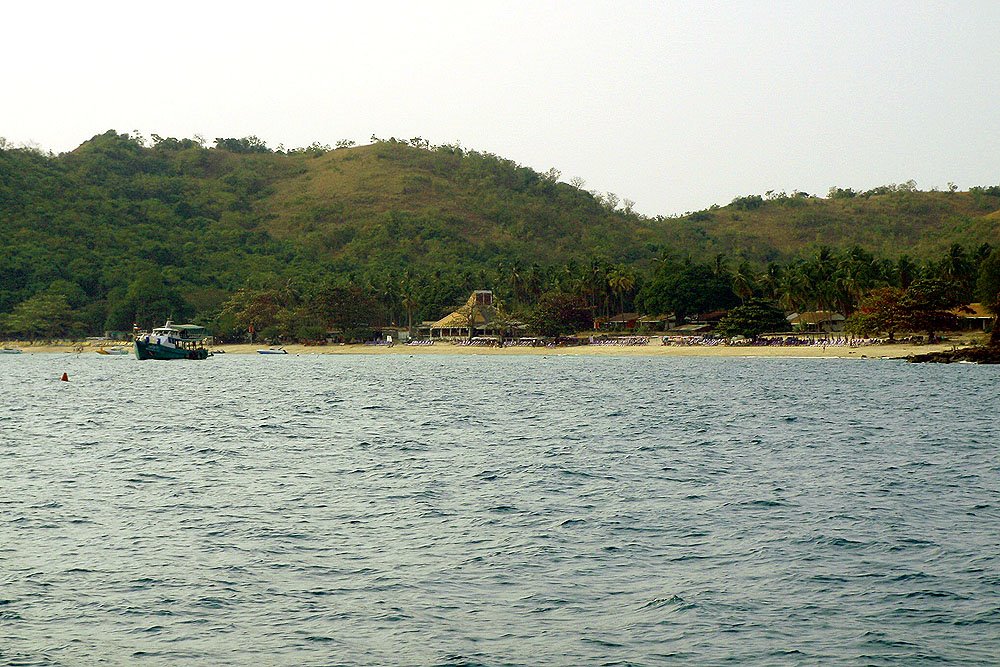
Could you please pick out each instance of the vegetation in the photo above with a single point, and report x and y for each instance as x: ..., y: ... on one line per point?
x: 294, y: 243
x: 752, y: 319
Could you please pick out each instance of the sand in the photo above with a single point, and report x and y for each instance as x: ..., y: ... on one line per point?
x: 895, y: 351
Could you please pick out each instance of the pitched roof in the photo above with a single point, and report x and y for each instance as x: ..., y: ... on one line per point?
x: 972, y: 311
x: 459, y: 319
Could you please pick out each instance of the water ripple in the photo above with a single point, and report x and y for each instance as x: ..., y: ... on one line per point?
x: 498, y: 511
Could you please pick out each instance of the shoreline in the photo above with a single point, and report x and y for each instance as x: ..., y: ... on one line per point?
x: 883, y: 351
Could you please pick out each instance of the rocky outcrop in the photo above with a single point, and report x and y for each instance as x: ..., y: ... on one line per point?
x: 980, y: 354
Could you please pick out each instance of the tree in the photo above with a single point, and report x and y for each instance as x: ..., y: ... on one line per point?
x: 686, y: 288
x: 557, y: 313
x: 349, y: 310
x: 751, y: 319
x: 254, y: 311
x: 249, y: 144
x: 928, y: 302
x: 743, y: 281
x: 149, y: 300
x: 620, y: 282
x: 880, y: 311
x: 958, y: 269
x: 988, y: 291
x: 44, y: 315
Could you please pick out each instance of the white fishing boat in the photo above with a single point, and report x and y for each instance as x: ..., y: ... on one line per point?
x: 9, y: 350
x: 273, y: 350
x: 172, y: 341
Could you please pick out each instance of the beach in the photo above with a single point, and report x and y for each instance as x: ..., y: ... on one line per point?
x: 654, y: 349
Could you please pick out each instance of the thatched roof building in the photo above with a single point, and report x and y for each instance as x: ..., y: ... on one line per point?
x: 478, y: 314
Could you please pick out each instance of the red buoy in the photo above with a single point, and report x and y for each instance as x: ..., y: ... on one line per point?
x: 64, y: 378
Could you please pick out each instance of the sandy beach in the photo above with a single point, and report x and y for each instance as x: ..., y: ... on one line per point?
x: 654, y: 349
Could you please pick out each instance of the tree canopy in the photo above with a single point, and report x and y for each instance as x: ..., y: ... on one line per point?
x: 135, y: 230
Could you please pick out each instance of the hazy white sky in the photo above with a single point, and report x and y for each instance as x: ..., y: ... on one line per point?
x: 676, y: 105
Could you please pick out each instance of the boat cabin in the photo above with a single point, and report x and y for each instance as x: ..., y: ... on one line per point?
x: 184, y: 332
x: 183, y: 336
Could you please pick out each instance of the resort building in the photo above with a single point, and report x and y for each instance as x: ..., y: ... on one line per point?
x: 620, y: 322
x: 817, y: 320
x: 475, y: 318
x: 973, y: 316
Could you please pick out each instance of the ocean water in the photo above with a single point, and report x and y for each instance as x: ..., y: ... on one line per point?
x: 459, y: 510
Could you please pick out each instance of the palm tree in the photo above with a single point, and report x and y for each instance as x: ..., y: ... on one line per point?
x: 743, y: 281
x: 515, y: 280
x: 408, y: 297
x: 793, y: 288
x: 620, y: 281
x: 905, y: 272
x: 770, y: 280
x: 534, y: 281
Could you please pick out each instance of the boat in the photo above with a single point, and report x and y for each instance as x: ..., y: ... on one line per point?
x: 273, y: 350
x: 172, y: 341
x: 9, y: 350
x: 112, y: 351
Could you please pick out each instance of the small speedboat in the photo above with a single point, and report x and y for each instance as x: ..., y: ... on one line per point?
x: 113, y: 351
x: 273, y: 350
x: 9, y: 350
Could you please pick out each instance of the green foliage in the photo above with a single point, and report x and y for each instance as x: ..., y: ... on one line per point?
x: 47, y: 315
x: 558, y: 313
x: 686, y: 289
x: 125, y: 229
x: 245, y: 145
x: 880, y: 311
x: 988, y: 283
x: 923, y: 306
x: 751, y: 319
x: 842, y: 193
x: 748, y: 203
x: 148, y: 300
x: 347, y: 310
x: 988, y: 291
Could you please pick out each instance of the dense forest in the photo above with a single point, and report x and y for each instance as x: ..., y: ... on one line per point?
x: 131, y: 230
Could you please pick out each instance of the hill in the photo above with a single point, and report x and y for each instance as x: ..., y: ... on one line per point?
x: 889, y: 221
x: 392, y: 204
x: 122, y: 228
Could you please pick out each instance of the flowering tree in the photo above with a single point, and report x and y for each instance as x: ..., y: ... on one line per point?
x: 880, y: 311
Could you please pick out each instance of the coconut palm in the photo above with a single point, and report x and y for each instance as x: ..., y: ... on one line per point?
x: 620, y: 281
x: 743, y: 281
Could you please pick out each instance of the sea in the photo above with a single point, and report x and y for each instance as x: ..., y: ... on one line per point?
x: 498, y: 510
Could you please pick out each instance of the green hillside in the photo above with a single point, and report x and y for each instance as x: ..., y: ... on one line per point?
x: 124, y: 229
x: 398, y: 205
x: 888, y: 221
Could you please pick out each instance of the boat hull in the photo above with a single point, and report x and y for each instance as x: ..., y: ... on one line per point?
x: 144, y: 350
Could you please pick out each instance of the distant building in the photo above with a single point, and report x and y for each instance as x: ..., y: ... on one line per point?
x: 817, y: 320
x: 477, y: 314
x: 656, y: 322
x: 620, y: 322
x: 973, y: 316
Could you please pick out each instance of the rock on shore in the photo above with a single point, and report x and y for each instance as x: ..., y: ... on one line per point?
x: 980, y: 354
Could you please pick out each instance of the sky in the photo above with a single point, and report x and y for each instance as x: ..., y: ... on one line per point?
x: 673, y: 105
